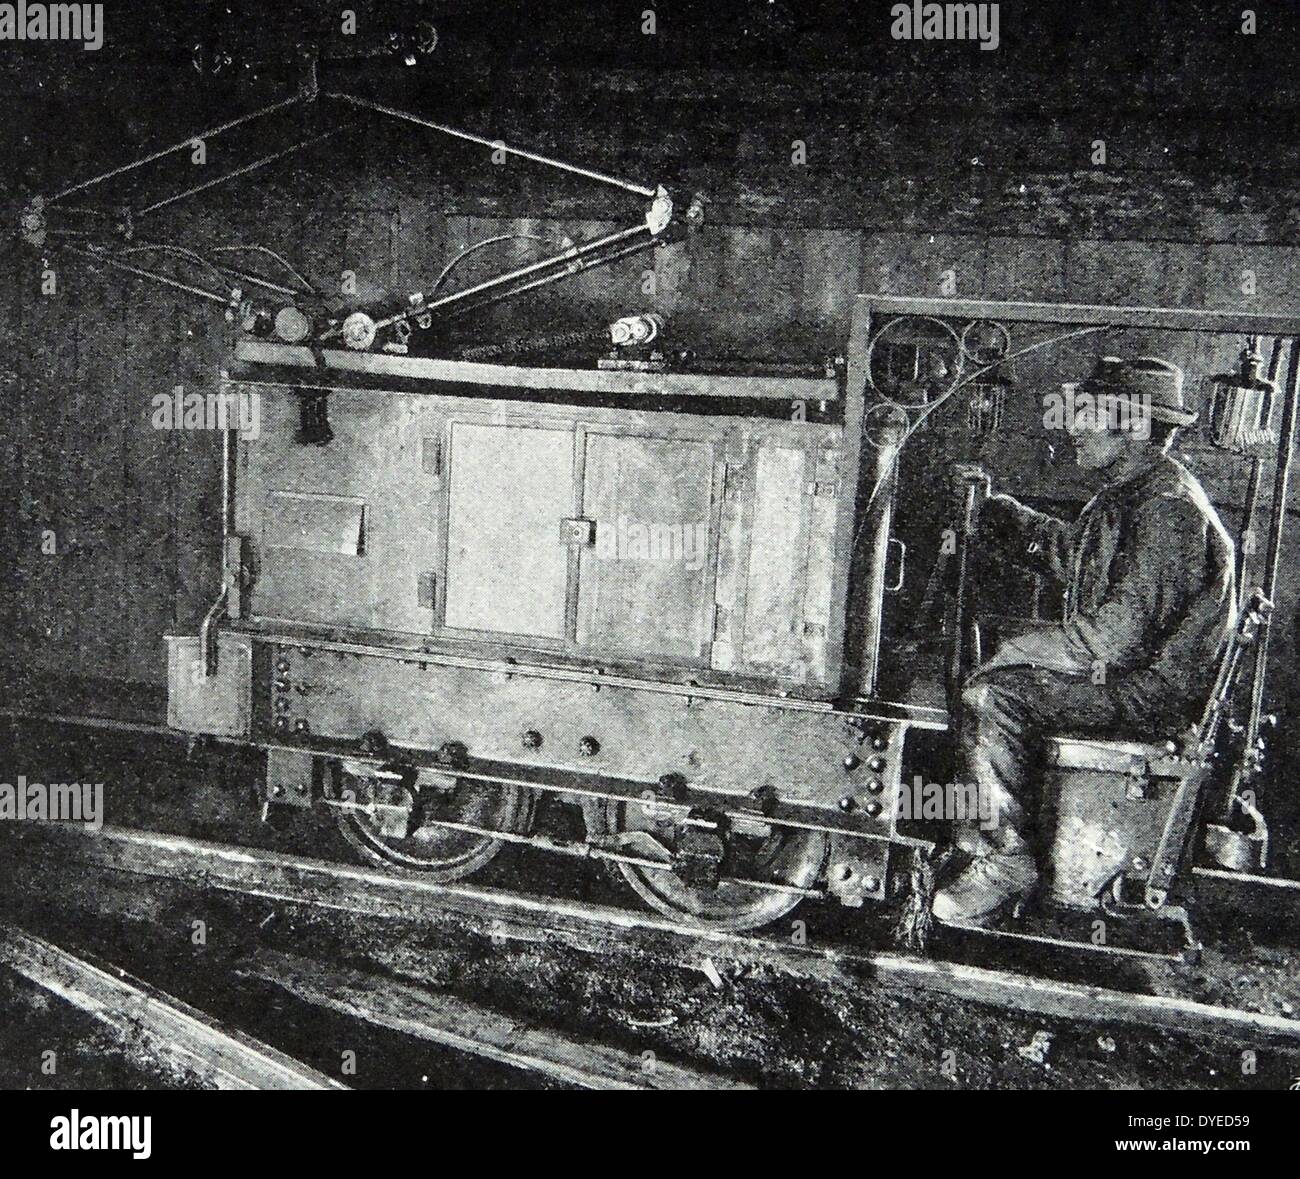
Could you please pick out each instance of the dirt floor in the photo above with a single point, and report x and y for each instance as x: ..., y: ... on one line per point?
x: 758, y: 1025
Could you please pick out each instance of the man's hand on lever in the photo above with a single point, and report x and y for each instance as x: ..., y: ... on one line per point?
x: 964, y: 474
x: 973, y: 487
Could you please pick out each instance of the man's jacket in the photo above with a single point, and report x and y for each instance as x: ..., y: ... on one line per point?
x: 1150, y: 588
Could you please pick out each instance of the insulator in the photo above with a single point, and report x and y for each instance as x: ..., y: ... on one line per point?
x: 358, y: 331
x: 292, y: 325
x: 635, y: 330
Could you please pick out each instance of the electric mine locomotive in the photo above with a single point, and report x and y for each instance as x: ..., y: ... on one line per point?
x: 659, y: 596
x: 705, y: 604
x: 623, y: 587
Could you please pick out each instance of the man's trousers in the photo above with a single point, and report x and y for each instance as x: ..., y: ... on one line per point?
x: 1007, y: 713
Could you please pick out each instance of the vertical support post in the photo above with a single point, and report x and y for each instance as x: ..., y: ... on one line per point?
x: 839, y: 638
x: 884, y: 438
x: 231, y: 560
x: 1272, y: 559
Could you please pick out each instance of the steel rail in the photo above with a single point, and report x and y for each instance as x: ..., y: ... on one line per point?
x: 1061, y: 943
x: 321, y: 884
x: 436, y: 1017
x: 138, y: 1012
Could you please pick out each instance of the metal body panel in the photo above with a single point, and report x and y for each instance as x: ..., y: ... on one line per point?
x: 643, y: 583
x: 1106, y: 805
x: 773, y: 600
x: 638, y: 539
x: 406, y: 649
x: 813, y: 756
x: 316, y: 523
x: 376, y: 461
x: 219, y: 704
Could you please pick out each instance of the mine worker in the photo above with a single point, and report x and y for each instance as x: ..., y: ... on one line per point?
x: 1150, y: 605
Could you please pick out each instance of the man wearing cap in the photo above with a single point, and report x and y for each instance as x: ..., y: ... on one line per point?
x: 1150, y: 604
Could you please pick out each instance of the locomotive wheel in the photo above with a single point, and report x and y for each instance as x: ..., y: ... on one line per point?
x: 786, y: 856
x: 441, y: 853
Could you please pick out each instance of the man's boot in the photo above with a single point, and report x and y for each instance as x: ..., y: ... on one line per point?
x: 986, y: 887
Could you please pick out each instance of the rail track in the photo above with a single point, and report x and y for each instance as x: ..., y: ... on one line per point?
x: 451, y: 1022
x: 149, y: 1024
x: 838, y: 954
x: 147, y: 1018
x: 507, y: 915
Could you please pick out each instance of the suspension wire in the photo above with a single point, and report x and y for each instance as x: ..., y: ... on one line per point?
x: 250, y: 167
x: 175, y: 147
x: 178, y: 251
x: 261, y: 281
x: 230, y: 274
x: 280, y: 258
x: 494, y: 144
x: 504, y: 237
x: 109, y: 260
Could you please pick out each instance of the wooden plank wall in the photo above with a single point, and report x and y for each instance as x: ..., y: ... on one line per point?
x: 135, y: 510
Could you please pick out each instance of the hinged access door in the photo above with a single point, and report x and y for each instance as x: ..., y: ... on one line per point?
x: 340, y: 535
x: 511, y: 486
x: 645, y: 580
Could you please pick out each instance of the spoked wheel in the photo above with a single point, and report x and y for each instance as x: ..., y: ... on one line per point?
x: 443, y: 853
x: 787, y: 856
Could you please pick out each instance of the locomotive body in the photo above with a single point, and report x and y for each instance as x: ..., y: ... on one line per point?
x: 453, y: 590
x: 627, y: 589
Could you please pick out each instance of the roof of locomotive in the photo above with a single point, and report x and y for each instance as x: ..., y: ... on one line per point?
x: 298, y: 364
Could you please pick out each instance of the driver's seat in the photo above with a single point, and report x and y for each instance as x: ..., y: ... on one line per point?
x: 1118, y: 814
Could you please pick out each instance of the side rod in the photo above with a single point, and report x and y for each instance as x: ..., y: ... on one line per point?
x: 545, y: 280
x: 571, y: 258
x: 546, y: 270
